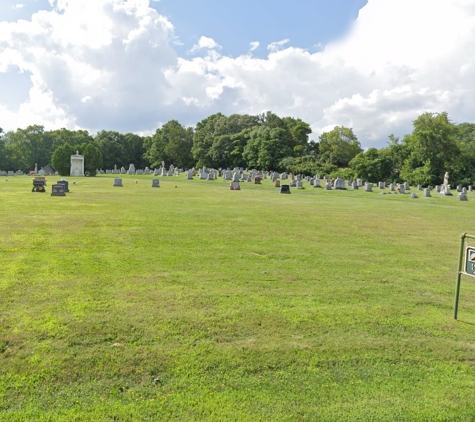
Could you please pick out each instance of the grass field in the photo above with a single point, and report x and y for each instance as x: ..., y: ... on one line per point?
x: 201, y: 303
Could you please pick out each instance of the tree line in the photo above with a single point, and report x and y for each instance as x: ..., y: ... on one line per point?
x: 265, y: 141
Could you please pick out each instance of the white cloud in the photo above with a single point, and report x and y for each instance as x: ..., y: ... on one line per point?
x: 277, y: 45
x: 254, y: 45
x: 120, y: 71
x: 205, y: 43
x: 18, y: 6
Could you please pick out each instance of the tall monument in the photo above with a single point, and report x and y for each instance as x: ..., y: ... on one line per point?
x: 77, y: 164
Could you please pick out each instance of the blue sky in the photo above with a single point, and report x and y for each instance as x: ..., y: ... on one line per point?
x: 309, y: 24
x: 133, y: 65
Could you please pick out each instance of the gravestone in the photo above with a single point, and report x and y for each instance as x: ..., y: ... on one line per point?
x: 123, y: 171
x: 139, y: 171
x: 277, y: 183
x: 147, y: 170
x: 354, y: 185
x: 328, y: 184
x: 339, y: 184
x: 77, y: 165
x: 381, y: 185
x: 299, y: 184
x: 401, y: 188
x: 257, y: 180
x: 462, y: 196
x: 65, y: 183
x: 292, y: 183
x: 406, y: 186
x: 368, y: 187
x: 446, y: 190
x: 58, y: 190
x: 189, y: 175
x: 391, y: 187
x: 437, y: 188
x: 316, y: 183
x: 284, y: 189
x: 234, y: 186
x: 427, y: 192
x: 118, y: 183
x: 131, y: 169
x: 413, y: 195
x: 155, y: 183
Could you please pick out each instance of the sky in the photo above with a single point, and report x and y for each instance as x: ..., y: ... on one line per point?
x: 133, y: 65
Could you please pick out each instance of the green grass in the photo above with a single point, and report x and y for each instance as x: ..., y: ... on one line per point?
x: 201, y: 303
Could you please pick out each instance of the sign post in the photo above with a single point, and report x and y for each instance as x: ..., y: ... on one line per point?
x: 466, y: 266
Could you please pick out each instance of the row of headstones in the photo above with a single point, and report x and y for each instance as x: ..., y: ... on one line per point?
x: 11, y: 173
x: 20, y: 173
x: 162, y: 171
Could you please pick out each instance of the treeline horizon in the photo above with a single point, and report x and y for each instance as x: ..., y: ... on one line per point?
x: 265, y: 142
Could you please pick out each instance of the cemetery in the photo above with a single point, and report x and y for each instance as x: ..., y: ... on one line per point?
x: 225, y: 300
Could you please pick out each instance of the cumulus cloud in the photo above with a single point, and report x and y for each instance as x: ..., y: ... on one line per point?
x: 205, y: 43
x: 120, y: 70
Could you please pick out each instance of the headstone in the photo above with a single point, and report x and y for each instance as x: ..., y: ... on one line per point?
x: 189, y: 175
x: 316, y: 183
x: 401, y: 188
x: 131, y: 169
x: 284, y: 189
x: 470, y: 188
x: 139, y: 171
x: 277, y: 183
x: 234, y: 186
x: 427, y: 192
x: 406, y: 186
x: 123, y: 171
x: 391, y: 187
x: 77, y: 165
x: 382, y: 185
x: 368, y: 187
x: 462, y: 196
x: 299, y: 184
x: 58, y: 190
x: 257, y: 180
x: 65, y: 183
x: 413, y: 195
x: 118, y: 183
x: 155, y: 183
x: 339, y: 184
x: 283, y: 176
x: 459, y: 188
x: 328, y: 184
x: 437, y: 188
x: 292, y: 183
x: 354, y: 185
x: 419, y: 187
x: 359, y: 182
x: 446, y: 190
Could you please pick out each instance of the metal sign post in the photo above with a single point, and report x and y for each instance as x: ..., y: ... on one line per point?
x: 466, y: 267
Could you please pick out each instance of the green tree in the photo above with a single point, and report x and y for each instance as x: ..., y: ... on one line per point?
x: 339, y: 146
x: 92, y: 159
x: 61, y: 159
x: 72, y: 137
x: 432, y: 149
x: 267, y: 147
x: 371, y: 165
x: 111, y: 146
x: 28, y: 147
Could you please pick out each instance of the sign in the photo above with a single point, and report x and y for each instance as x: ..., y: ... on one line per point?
x: 470, y: 261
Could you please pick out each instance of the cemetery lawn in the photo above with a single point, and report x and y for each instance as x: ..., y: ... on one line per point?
x: 200, y: 303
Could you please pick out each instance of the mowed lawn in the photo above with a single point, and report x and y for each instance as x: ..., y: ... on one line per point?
x: 196, y: 303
